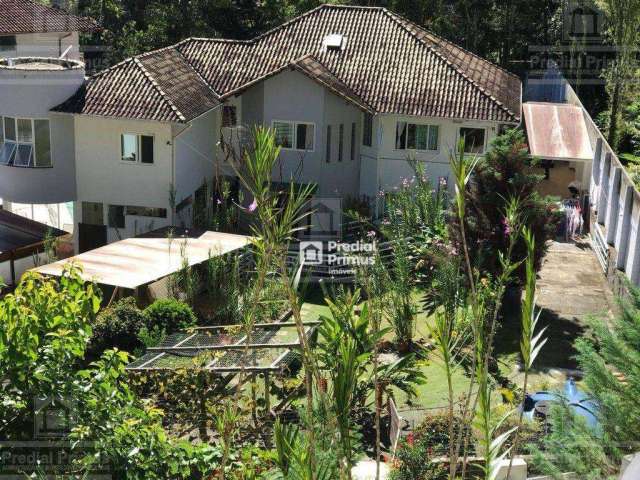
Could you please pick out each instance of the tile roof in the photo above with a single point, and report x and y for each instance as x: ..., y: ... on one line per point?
x: 387, y: 65
x: 31, y: 16
x: 159, y: 85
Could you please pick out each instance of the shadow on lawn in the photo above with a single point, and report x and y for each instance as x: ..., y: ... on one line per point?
x: 562, y: 332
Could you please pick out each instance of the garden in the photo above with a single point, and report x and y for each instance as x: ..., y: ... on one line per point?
x: 444, y: 330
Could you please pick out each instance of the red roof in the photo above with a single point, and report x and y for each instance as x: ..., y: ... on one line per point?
x: 387, y: 65
x: 30, y: 16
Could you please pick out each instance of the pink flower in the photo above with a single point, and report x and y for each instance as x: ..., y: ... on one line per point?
x: 219, y: 202
x: 506, y: 227
x: 371, y: 234
x: 253, y: 206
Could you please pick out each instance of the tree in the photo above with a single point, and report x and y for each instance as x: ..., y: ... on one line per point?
x: 503, y: 174
x: 609, y: 360
x: 623, y: 17
x: 46, y: 325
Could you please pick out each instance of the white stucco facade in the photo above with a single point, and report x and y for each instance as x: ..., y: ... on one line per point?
x: 51, y: 44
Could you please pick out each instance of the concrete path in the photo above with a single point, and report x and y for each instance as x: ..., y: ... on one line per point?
x: 571, y: 288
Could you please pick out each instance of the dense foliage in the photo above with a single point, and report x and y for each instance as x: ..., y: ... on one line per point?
x: 609, y: 361
x: 170, y: 315
x: 118, y: 326
x: 503, y: 175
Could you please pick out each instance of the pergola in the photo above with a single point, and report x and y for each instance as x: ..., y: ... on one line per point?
x: 139, y: 261
x: 226, y: 349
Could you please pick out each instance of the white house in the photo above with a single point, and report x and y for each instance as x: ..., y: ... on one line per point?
x: 29, y: 28
x: 351, y: 92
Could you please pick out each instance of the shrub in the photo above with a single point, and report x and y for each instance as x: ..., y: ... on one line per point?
x: 503, y: 174
x: 117, y: 326
x: 170, y: 315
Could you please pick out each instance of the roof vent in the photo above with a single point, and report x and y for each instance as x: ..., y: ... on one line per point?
x: 334, y: 42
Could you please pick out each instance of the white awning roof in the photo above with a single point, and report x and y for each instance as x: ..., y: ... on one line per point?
x: 134, y: 262
x: 557, y: 131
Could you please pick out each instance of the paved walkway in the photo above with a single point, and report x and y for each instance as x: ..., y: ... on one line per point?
x: 571, y: 287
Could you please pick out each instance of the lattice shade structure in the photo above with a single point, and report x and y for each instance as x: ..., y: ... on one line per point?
x: 223, y: 349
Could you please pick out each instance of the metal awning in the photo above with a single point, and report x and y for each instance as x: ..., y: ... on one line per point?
x: 134, y: 262
x: 557, y: 131
x: 21, y: 237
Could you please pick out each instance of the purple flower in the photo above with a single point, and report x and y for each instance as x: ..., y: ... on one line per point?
x: 371, y: 234
x: 506, y: 228
x: 253, y: 206
x: 219, y: 202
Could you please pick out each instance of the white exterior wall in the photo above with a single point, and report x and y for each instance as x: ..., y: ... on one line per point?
x: 45, y: 45
x: 101, y: 176
x: 392, y: 164
x: 195, y: 152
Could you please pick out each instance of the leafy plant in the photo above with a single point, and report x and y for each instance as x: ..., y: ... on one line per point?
x: 118, y: 326
x: 170, y: 315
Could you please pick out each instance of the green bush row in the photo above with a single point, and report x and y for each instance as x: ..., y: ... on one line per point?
x: 127, y: 327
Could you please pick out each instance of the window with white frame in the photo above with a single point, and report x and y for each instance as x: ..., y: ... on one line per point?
x: 295, y: 135
x: 136, y: 148
x: 415, y: 136
x: 474, y: 139
x: 25, y: 142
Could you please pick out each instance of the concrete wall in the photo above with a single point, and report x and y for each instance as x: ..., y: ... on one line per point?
x: 45, y: 45
x: 101, y: 176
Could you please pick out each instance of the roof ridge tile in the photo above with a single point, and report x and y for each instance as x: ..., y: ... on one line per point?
x: 159, y: 88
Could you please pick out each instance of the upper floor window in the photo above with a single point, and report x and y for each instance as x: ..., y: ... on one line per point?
x: 8, y: 43
x: 25, y: 142
x: 474, y: 139
x: 294, y: 135
x: 367, y: 130
x: 413, y: 136
x: 136, y: 148
x: 229, y: 116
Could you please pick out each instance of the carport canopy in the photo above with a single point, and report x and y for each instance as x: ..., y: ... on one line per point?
x: 135, y: 262
x: 557, y: 131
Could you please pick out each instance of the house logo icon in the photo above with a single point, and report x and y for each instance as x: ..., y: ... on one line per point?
x: 311, y: 253
x: 582, y: 21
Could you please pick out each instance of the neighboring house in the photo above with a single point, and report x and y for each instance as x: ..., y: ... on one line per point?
x: 30, y: 29
x: 350, y: 92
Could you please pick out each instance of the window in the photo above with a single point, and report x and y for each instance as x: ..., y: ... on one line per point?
x: 25, y: 142
x: 367, y: 130
x: 92, y: 213
x: 7, y: 43
x: 229, y: 118
x: 146, y: 212
x: 294, y: 135
x: 474, y: 139
x: 116, y: 216
x: 136, y: 148
x: 412, y: 136
x: 327, y: 156
x: 340, y: 141
x: 304, y: 136
x: 352, y: 153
